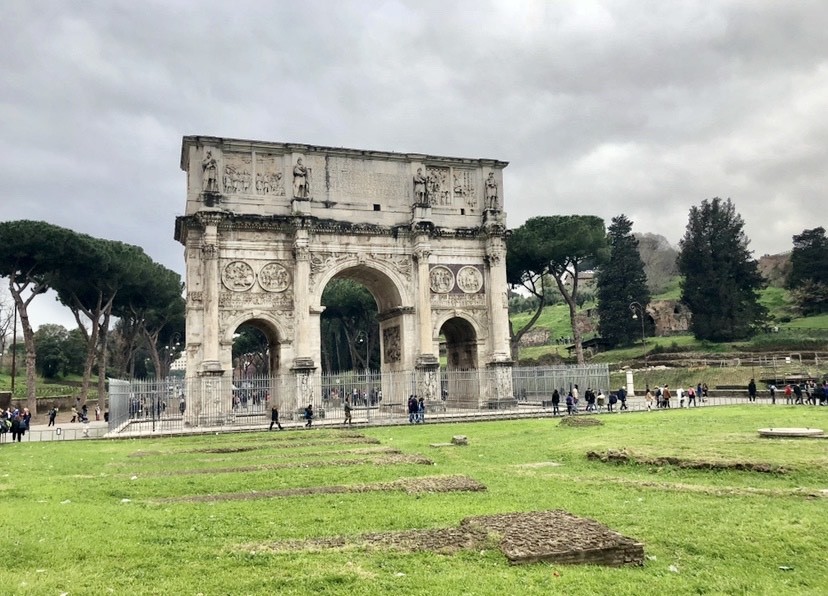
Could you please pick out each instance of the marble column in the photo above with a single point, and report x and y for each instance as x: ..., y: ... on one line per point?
x: 212, y: 287
x: 422, y: 252
x: 498, y: 300
x: 303, y: 362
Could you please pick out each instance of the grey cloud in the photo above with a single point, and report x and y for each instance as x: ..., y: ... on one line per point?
x: 645, y: 108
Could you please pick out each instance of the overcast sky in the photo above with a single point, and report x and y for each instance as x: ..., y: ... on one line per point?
x: 608, y: 107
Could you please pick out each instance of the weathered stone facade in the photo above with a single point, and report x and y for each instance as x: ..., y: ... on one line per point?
x: 268, y: 225
x: 669, y: 317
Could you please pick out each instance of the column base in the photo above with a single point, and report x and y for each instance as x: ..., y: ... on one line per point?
x: 427, y: 361
x: 303, y: 364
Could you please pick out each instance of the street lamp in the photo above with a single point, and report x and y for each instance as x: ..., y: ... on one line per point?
x: 171, y: 348
x: 638, y: 312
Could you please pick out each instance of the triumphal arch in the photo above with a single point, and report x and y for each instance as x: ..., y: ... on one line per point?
x: 267, y: 225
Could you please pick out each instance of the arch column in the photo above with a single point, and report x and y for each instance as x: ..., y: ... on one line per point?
x: 303, y: 363
x: 427, y: 365
x: 211, y: 364
x: 426, y: 357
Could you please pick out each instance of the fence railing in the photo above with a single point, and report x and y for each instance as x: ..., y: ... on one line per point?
x: 191, y: 405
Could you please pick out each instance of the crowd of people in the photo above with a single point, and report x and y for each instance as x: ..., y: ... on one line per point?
x: 805, y: 393
x: 16, y: 422
x: 596, y: 401
x: 416, y: 410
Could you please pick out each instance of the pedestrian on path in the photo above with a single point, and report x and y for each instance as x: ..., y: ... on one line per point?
x: 347, y: 407
x: 52, y: 415
x: 274, y: 417
x: 751, y: 390
x: 309, y: 416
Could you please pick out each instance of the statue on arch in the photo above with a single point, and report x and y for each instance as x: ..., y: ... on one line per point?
x: 301, y: 186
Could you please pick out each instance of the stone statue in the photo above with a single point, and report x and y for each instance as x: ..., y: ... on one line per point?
x: 419, y: 187
x: 301, y: 189
x: 491, y: 192
x: 210, y: 169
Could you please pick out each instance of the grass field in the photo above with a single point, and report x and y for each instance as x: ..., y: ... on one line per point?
x: 91, y: 517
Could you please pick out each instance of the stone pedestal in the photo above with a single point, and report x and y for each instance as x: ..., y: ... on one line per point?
x: 499, y: 389
x: 304, y: 373
x: 427, y: 372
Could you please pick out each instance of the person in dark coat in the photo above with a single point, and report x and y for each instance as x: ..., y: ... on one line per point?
x: 274, y: 417
x: 309, y: 416
x: 752, y: 390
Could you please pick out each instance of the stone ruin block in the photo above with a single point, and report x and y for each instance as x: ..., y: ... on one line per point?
x: 558, y: 537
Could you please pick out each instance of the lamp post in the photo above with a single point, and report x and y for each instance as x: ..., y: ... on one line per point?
x: 638, y: 312
x: 172, y: 346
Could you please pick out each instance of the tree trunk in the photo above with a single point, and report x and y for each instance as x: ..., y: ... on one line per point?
x: 570, y: 298
x: 102, y: 358
x: 28, y: 341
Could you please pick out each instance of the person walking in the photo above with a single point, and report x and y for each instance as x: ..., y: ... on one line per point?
x: 421, y: 411
x: 52, y: 415
x: 665, y: 395
x: 570, y: 404
x: 772, y: 389
x: 309, y: 416
x: 556, y: 400
x: 691, y: 396
x: 751, y: 388
x: 648, y: 398
x: 412, y: 409
x: 622, y: 398
x: 274, y: 417
x: 347, y: 412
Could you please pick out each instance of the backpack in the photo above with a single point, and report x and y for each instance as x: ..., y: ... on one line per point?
x: 658, y: 392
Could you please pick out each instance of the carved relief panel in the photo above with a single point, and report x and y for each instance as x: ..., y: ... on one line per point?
x: 456, y: 279
x: 464, y: 187
x: 238, y: 276
x: 438, y: 186
x: 269, y: 175
x: 391, y: 342
x: 274, y: 277
x: 238, y: 173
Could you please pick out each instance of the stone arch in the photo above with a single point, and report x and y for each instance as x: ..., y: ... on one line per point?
x: 374, y: 274
x: 259, y: 250
x: 462, y: 342
x: 387, y: 288
x: 268, y: 325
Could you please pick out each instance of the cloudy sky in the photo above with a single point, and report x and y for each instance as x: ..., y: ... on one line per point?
x: 606, y: 107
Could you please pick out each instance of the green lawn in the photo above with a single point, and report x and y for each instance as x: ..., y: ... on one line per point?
x: 87, y: 517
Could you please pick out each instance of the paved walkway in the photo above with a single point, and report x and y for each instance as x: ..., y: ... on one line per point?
x: 68, y: 431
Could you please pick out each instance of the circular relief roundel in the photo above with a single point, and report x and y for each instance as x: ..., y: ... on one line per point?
x: 274, y: 278
x: 238, y: 276
x: 469, y: 279
x: 442, y: 280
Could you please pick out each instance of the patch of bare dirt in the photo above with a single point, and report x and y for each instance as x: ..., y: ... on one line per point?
x: 291, y: 443
x: 578, y: 421
x: 555, y: 536
x: 717, y: 491
x: 427, y: 484
x: 385, y: 460
x: 625, y: 457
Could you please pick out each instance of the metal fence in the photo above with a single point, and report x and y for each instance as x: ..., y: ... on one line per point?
x: 195, y: 405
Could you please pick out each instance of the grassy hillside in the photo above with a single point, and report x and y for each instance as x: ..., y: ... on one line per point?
x: 792, y: 333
